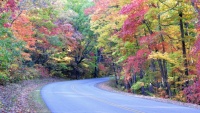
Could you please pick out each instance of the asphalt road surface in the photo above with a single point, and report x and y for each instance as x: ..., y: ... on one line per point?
x: 82, y: 96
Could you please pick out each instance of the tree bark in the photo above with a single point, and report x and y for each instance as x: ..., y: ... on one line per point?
x: 183, y: 43
x: 163, y: 63
x: 115, y: 73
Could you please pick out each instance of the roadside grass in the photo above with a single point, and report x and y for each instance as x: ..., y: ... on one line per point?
x: 37, y: 102
x: 1, y: 105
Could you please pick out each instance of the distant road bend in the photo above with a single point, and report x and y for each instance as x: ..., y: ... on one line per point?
x: 81, y: 96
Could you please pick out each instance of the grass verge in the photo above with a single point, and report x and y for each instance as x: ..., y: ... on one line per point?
x: 37, y: 102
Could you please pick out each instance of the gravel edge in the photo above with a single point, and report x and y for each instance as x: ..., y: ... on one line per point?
x: 107, y: 87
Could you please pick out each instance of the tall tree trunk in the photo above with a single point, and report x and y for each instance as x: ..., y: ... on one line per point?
x: 141, y: 77
x: 77, y: 75
x: 134, y: 78
x: 183, y: 43
x: 98, y: 58
x: 141, y: 74
x: 160, y: 62
x: 163, y: 62
x: 76, y: 67
x: 95, y: 72
x: 153, y: 65
x: 164, y: 79
x: 115, y: 73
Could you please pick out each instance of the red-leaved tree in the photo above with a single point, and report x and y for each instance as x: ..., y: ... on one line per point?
x: 192, y: 92
x: 135, y: 11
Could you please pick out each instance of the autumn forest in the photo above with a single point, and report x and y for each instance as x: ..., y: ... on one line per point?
x: 149, y: 47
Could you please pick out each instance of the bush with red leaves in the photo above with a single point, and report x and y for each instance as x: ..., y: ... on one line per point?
x: 192, y: 93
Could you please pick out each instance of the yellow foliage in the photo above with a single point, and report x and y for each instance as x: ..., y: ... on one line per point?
x: 165, y: 56
x: 65, y: 59
x: 14, y: 66
x: 85, y: 65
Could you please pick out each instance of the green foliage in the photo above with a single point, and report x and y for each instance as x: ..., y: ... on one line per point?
x: 59, y: 69
x: 57, y: 74
x: 62, y: 66
x: 9, y: 51
x: 122, y: 59
x: 3, y: 78
x: 14, y: 58
x: 43, y: 17
x: 137, y: 86
x: 81, y: 21
x: 54, y: 40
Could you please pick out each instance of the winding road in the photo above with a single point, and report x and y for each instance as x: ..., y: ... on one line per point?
x: 82, y: 96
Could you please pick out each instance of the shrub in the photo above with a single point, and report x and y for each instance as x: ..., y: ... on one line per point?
x: 31, y: 73
x: 24, y: 74
x: 43, y: 72
x: 137, y: 86
x: 3, y: 78
x: 57, y: 74
x: 192, y: 93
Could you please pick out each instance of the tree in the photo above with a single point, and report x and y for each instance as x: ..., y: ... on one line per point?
x: 10, y: 50
x: 192, y: 92
x: 151, y: 25
x: 23, y: 29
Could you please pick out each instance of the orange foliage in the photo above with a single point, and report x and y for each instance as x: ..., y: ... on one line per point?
x: 26, y: 56
x: 23, y: 30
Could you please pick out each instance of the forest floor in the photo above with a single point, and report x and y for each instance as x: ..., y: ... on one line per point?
x: 108, y: 86
x: 24, y: 97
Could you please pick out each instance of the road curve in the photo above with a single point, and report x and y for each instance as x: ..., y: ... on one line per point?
x: 81, y: 96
